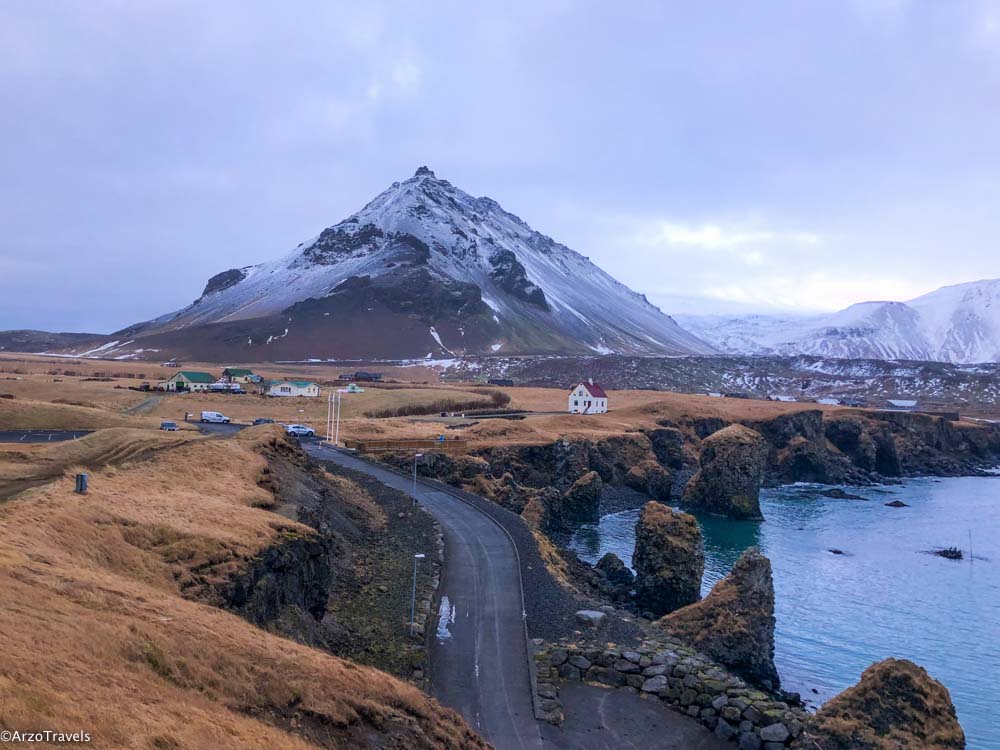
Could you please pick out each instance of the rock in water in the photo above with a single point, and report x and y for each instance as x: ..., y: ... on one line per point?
x: 669, y: 559
x: 732, y: 469
x: 895, y: 705
x: 734, y: 624
x: 582, y: 501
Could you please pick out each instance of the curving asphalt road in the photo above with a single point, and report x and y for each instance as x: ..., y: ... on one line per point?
x: 479, y: 661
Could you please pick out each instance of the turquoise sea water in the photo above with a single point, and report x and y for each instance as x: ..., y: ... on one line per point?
x: 884, y: 596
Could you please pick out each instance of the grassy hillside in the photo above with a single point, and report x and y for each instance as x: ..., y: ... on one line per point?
x: 102, y: 629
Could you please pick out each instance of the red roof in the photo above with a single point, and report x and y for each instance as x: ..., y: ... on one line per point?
x: 595, y: 390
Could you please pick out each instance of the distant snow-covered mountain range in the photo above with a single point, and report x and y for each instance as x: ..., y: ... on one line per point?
x: 959, y: 324
x: 426, y: 270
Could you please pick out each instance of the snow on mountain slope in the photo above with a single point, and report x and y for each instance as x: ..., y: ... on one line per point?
x: 477, y: 277
x: 959, y: 324
x: 962, y: 322
x: 745, y: 334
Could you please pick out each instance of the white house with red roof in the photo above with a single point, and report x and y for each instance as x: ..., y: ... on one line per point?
x: 588, y: 398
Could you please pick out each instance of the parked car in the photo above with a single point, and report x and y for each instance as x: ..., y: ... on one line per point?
x: 299, y: 430
x: 169, y: 426
x: 215, y: 417
x: 263, y: 420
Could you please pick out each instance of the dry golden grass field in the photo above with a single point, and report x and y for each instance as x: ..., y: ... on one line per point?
x: 100, y: 630
x: 61, y: 401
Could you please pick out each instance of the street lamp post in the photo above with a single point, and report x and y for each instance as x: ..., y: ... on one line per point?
x: 340, y: 406
x: 415, y: 457
x: 413, y: 596
x: 334, y: 404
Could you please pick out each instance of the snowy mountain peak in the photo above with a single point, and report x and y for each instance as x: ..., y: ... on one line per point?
x: 427, y: 269
x: 959, y: 324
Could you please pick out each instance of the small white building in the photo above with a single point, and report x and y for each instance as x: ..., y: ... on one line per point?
x: 294, y: 388
x: 588, y: 398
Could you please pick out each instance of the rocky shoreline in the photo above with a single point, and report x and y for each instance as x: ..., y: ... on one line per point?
x: 690, y: 459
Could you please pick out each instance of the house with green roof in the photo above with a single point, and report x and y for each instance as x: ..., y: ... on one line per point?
x: 239, y: 375
x: 294, y: 388
x: 189, y: 380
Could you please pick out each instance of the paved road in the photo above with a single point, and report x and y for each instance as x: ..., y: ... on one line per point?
x: 229, y: 428
x: 479, y: 661
x: 605, y: 719
x: 40, y: 436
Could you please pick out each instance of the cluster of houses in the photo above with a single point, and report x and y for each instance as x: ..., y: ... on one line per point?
x: 237, y: 380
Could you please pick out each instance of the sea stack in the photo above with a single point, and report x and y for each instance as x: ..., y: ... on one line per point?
x: 734, y: 624
x: 728, y: 483
x: 669, y: 559
x: 895, y: 705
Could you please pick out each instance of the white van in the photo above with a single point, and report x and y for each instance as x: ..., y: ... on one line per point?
x: 214, y: 416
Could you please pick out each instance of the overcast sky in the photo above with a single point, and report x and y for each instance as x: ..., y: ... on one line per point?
x: 715, y: 156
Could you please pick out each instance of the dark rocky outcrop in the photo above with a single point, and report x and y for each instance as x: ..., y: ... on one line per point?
x: 615, y: 579
x: 850, y: 436
x: 652, y: 479
x: 669, y: 559
x: 895, y: 705
x: 224, y: 280
x: 804, y: 460
x: 295, y: 573
x: 734, y: 624
x: 543, y: 476
x: 781, y: 430
x: 581, y: 503
x: 510, y: 276
x: 615, y: 570
x: 732, y: 471
x: 669, y: 445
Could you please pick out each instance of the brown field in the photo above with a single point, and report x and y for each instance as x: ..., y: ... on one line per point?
x: 108, y: 406
x: 96, y: 636
x: 44, y: 415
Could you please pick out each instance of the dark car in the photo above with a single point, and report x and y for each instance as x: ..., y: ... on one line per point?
x: 263, y: 420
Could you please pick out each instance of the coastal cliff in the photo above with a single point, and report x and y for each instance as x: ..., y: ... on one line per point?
x: 806, y: 445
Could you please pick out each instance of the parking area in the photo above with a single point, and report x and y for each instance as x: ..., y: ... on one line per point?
x: 40, y: 436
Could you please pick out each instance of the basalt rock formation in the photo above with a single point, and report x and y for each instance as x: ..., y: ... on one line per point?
x: 582, y: 501
x: 895, y: 706
x: 728, y: 483
x: 669, y: 559
x: 652, y: 479
x: 618, y: 580
x: 734, y: 624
